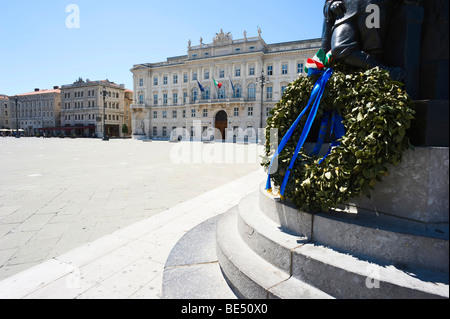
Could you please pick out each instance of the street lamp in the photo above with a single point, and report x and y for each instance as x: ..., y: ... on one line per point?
x: 105, y: 138
x: 17, y: 117
x: 262, y: 80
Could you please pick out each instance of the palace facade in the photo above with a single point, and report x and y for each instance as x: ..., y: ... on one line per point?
x: 215, y: 91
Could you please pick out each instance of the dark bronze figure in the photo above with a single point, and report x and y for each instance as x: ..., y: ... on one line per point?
x: 351, y: 37
x: 410, y: 41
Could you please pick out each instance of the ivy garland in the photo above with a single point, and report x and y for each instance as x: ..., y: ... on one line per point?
x: 376, y: 114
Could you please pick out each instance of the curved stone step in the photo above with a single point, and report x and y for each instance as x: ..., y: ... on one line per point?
x: 192, y: 270
x: 285, y: 214
x: 265, y: 237
x: 293, y: 255
x: 363, y: 234
x: 345, y: 276
x: 250, y: 275
x: 371, y: 238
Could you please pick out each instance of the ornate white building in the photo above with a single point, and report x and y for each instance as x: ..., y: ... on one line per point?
x: 214, y: 92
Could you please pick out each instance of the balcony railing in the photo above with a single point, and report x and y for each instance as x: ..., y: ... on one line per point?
x: 221, y: 100
x: 198, y: 101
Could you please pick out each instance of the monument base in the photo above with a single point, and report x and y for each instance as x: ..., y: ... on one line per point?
x: 431, y: 125
x: 393, y: 245
x: 415, y: 191
x: 335, y: 255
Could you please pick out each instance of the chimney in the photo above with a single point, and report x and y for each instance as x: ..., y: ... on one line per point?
x: 36, y: 90
x: 55, y: 87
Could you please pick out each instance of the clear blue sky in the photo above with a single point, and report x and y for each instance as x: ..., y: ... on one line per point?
x: 37, y: 50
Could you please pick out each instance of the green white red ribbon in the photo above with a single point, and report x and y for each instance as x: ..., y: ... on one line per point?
x: 319, y: 62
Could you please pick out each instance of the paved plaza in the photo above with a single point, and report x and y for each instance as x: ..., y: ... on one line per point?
x: 57, y: 196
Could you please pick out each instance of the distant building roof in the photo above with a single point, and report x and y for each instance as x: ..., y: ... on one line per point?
x: 84, y: 83
x: 40, y: 92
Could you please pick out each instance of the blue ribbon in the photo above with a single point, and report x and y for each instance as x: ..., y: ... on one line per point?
x: 339, y: 131
x: 323, y: 131
x: 316, y: 96
x: 336, y: 127
x: 312, y: 71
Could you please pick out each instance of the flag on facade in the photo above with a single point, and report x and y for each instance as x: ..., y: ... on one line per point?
x: 232, y: 86
x: 201, y: 87
x: 219, y: 85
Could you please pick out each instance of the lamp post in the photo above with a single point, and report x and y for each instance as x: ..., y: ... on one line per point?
x: 17, y: 117
x: 105, y: 138
x: 262, y: 81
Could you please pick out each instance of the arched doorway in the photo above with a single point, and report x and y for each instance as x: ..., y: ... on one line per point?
x: 221, y: 123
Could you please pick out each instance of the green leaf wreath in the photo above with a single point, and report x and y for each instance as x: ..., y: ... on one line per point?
x: 376, y: 113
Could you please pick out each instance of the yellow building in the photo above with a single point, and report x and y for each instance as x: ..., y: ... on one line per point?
x: 4, y: 113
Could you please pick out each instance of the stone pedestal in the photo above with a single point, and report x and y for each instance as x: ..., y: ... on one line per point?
x: 415, y: 191
x: 418, y: 42
x: 393, y: 245
x: 430, y: 128
x: 329, y: 255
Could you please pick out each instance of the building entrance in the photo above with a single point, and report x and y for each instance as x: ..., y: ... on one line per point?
x: 221, y: 124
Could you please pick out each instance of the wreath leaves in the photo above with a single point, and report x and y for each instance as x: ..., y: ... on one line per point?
x: 376, y: 112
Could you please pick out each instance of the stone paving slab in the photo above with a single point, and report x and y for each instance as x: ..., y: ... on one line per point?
x: 128, y: 263
x: 60, y: 194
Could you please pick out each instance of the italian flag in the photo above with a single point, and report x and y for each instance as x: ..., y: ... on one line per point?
x: 219, y: 85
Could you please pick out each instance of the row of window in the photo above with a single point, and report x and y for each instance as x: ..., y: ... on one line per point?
x: 205, y: 113
x: 91, y: 93
x: 82, y: 117
x: 37, y: 123
x: 251, y: 48
x: 80, y: 105
x: 236, y: 131
x: 197, y: 94
x: 206, y: 75
x: 33, y: 104
x: 32, y: 114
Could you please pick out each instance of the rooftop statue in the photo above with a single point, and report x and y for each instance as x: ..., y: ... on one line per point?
x: 223, y: 38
